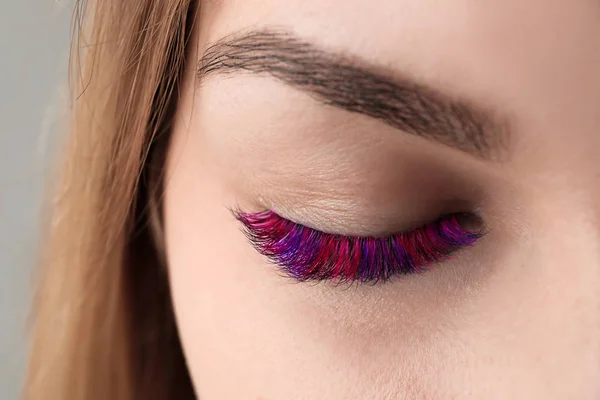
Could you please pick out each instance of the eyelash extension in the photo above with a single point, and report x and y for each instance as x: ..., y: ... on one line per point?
x: 307, y: 254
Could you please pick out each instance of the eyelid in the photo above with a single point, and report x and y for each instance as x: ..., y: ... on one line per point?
x: 307, y: 254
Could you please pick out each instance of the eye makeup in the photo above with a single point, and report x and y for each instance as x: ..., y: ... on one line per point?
x: 307, y: 254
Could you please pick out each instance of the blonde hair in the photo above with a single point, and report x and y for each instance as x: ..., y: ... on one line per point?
x: 103, y: 325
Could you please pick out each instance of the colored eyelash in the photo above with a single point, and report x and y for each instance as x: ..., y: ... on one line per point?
x: 307, y: 254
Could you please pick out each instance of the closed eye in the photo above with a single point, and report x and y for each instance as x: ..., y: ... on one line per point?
x: 308, y: 254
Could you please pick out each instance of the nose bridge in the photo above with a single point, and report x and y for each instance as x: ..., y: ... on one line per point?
x: 567, y: 237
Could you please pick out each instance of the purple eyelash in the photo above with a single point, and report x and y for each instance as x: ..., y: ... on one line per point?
x: 307, y: 254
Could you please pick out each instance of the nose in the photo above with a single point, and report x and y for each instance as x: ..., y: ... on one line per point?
x: 556, y: 308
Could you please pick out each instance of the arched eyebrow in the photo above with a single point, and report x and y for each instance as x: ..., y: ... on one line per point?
x: 357, y: 86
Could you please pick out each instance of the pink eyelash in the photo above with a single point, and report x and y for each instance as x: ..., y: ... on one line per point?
x: 307, y: 254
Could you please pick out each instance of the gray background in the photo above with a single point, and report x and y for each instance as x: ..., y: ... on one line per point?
x: 34, y: 42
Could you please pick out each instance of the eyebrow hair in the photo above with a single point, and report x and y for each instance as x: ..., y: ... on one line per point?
x: 359, y: 87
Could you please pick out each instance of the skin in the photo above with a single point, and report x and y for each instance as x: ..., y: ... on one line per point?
x: 516, y: 316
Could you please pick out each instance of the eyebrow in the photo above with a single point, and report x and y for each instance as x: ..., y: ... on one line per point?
x: 359, y: 87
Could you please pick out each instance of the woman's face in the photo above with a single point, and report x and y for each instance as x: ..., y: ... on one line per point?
x: 368, y: 119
